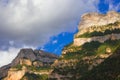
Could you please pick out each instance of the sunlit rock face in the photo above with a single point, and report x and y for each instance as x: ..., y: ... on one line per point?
x: 15, y: 74
x: 96, y: 24
x: 101, y: 39
x: 96, y: 19
x: 91, y: 19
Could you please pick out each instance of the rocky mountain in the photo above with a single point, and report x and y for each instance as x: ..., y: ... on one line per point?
x: 28, y: 63
x: 94, y: 53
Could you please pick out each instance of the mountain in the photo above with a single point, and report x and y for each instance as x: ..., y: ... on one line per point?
x: 94, y: 53
x: 28, y: 63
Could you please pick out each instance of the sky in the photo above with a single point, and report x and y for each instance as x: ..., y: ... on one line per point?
x: 48, y: 25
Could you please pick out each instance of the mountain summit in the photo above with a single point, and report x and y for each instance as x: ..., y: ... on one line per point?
x: 95, y: 51
x: 26, y: 62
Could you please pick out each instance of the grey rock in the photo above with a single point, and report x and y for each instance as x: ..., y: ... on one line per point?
x: 36, y: 55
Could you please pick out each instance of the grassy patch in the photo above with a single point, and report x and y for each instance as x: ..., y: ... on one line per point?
x: 18, y: 67
x: 31, y: 76
x: 91, y: 48
x: 38, y: 69
x: 95, y: 33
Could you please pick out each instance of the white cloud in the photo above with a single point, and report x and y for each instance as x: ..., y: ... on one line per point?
x: 11, y: 43
x: 8, y: 56
x: 55, y: 41
x: 32, y: 22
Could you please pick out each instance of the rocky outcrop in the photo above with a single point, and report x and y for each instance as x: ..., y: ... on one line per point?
x: 25, y: 62
x: 26, y: 57
x: 101, y: 39
x: 38, y: 64
x: 107, y: 26
x: 14, y: 74
x: 4, y: 71
x: 96, y: 19
x: 90, y: 21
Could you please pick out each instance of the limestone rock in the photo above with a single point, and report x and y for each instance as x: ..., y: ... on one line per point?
x: 101, y: 39
x: 15, y: 75
x: 91, y: 19
x: 38, y: 64
x: 25, y: 62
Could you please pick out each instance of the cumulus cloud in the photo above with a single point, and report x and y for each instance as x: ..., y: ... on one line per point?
x: 8, y: 56
x: 25, y: 23
x: 32, y: 22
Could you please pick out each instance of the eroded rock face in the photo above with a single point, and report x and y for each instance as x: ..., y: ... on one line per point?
x: 27, y: 57
x: 38, y: 64
x: 25, y: 62
x: 24, y: 53
x: 4, y: 70
x: 101, y: 39
x: 15, y: 75
x: 91, y: 19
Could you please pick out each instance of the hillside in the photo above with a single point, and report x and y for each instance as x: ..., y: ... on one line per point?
x: 28, y: 65
x: 95, y: 52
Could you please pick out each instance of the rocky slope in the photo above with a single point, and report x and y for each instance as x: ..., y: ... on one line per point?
x: 95, y: 52
x: 28, y: 63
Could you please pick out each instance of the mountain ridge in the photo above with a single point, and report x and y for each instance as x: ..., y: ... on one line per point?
x: 26, y: 58
x: 94, y: 47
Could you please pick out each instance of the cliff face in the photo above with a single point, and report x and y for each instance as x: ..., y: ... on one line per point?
x: 28, y: 62
x: 96, y: 46
x: 91, y: 19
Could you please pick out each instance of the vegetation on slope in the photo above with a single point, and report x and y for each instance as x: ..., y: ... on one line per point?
x: 89, y: 62
x: 91, y: 48
x: 39, y: 69
x: 108, y: 70
x: 101, y: 31
x: 33, y: 72
x: 93, y: 60
x: 31, y: 76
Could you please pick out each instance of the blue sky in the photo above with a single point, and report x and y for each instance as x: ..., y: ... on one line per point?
x: 43, y: 24
x: 103, y: 7
x: 57, y: 43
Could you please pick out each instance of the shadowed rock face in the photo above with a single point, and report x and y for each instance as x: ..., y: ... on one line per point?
x: 24, y: 53
x: 4, y: 70
x: 36, y: 55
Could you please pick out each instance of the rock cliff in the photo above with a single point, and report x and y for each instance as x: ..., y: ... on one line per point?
x: 27, y: 62
x: 94, y: 51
